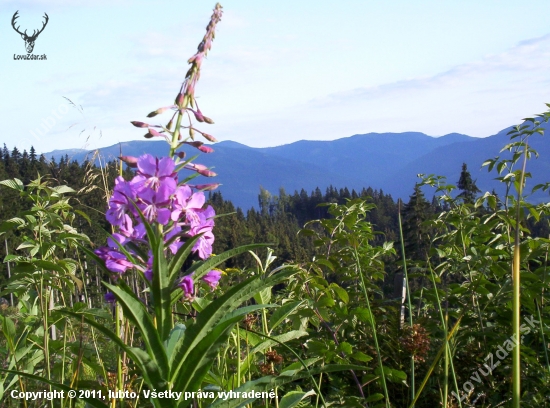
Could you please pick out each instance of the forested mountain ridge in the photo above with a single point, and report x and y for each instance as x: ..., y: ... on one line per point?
x: 384, y: 161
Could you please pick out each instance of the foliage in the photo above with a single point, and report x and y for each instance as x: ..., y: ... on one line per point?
x: 167, y: 306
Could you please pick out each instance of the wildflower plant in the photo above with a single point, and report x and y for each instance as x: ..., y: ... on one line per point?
x: 159, y: 224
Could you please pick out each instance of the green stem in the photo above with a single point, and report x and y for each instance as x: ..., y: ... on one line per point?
x: 448, y: 355
x: 406, y: 277
x: 238, y: 356
x: 176, y: 134
x: 119, y: 356
x: 541, y: 328
x: 373, y: 326
x: 63, y: 361
x: 516, y: 301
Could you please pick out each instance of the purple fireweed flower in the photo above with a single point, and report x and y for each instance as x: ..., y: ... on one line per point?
x: 121, y: 239
x: 149, y: 271
x: 204, y: 244
x: 118, y: 208
x: 188, y: 287
x: 203, y: 217
x: 153, y: 204
x: 120, y: 204
x: 177, y: 243
x: 110, y: 297
x: 212, y: 278
x: 114, y: 260
x: 152, y: 171
x: 117, y: 262
x: 187, y: 202
x: 139, y: 233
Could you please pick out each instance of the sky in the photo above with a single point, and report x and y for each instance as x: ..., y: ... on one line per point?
x: 279, y: 71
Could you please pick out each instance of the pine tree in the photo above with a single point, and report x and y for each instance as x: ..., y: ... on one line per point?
x: 467, y: 186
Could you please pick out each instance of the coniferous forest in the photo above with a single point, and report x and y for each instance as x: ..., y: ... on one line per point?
x: 127, y: 284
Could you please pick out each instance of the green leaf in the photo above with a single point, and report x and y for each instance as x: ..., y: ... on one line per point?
x: 341, y: 292
x: 137, y: 313
x: 263, y: 296
x: 63, y: 189
x: 176, y: 335
x: 363, y: 314
x: 11, y: 223
x: 326, y: 263
x: 360, y: 356
x: 150, y: 370
x: 8, y: 328
x: 374, y: 397
x: 282, y: 313
x: 84, y: 215
x: 14, y: 184
x: 161, y: 291
x: 293, y: 398
x: 346, y: 347
x: 192, y: 355
x: 202, y: 268
x: 177, y: 261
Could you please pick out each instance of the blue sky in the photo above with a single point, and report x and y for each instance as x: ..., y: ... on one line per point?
x: 279, y: 71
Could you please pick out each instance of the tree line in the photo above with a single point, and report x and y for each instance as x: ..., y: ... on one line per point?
x: 276, y: 220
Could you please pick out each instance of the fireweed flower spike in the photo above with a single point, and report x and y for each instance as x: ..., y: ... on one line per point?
x: 159, y: 223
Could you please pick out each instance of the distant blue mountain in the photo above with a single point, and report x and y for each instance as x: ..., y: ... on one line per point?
x: 387, y: 161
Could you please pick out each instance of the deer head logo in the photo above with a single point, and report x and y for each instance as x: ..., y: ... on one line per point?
x: 29, y: 39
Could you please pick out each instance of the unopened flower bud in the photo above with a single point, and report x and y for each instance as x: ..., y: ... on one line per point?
x: 198, y: 115
x: 159, y: 111
x: 181, y: 100
x: 131, y: 161
x: 206, y: 173
x: 153, y: 132
x: 181, y: 155
x: 205, y: 149
x: 208, y: 120
x: 139, y: 124
x: 200, y: 146
x: 207, y: 187
x: 191, y: 133
x: 210, y: 138
x: 198, y: 167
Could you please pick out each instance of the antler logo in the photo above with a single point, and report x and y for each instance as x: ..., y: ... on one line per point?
x: 29, y: 40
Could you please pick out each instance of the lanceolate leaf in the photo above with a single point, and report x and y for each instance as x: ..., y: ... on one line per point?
x: 161, y: 291
x: 209, y: 320
x: 149, y: 369
x: 293, y: 398
x: 135, y: 310
x: 282, y: 313
x: 202, y: 268
x: 175, y: 263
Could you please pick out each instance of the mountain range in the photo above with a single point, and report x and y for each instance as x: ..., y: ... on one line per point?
x: 387, y: 161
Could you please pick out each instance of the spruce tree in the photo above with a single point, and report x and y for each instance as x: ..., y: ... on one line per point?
x: 415, y: 233
x: 467, y: 186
